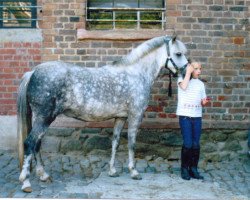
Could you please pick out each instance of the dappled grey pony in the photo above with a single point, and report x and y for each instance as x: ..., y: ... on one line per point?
x: 120, y: 90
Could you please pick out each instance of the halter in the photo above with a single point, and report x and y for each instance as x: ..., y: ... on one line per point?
x: 170, y: 72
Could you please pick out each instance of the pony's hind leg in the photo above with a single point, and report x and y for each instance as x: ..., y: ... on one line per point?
x: 132, y: 132
x: 40, y: 172
x: 31, y: 147
x: 119, y: 124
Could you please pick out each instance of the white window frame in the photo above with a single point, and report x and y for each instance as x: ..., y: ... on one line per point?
x: 137, y: 10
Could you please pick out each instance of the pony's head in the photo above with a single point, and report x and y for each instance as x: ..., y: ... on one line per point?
x: 176, y: 60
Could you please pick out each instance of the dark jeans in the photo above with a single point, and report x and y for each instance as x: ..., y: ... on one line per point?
x: 191, y: 131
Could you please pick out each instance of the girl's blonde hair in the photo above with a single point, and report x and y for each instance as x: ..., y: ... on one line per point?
x: 195, y: 64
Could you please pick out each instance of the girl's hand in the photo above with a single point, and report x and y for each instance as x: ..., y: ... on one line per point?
x: 186, y: 79
x: 205, y: 101
x: 189, y: 69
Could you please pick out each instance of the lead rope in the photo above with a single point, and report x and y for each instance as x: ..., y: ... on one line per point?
x: 170, y: 85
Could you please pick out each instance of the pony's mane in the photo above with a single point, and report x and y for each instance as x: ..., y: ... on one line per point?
x: 142, y: 50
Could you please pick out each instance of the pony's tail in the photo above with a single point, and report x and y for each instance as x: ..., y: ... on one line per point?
x: 24, y: 116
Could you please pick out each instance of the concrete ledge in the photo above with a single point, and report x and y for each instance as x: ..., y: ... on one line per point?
x: 150, y: 124
x: 8, y: 126
x: 147, y: 123
x: 21, y: 35
x: 8, y: 132
x: 83, y: 34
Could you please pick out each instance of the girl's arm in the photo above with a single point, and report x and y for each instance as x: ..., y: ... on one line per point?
x: 186, y: 79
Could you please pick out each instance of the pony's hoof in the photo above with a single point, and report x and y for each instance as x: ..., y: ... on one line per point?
x: 113, y: 174
x: 46, y: 178
x: 135, y: 174
x: 27, y: 189
x: 137, y: 177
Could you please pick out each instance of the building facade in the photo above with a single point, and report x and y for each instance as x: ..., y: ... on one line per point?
x: 216, y: 33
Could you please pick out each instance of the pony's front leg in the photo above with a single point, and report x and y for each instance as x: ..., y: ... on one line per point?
x: 132, y: 132
x: 119, y: 124
x: 40, y: 172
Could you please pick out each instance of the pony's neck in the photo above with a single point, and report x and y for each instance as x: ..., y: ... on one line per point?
x: 152, y: 64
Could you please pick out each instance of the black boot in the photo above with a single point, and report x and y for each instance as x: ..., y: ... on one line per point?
x: 193, y: 170
x: 185, y: 159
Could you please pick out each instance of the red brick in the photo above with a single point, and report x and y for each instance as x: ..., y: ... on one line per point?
x: 17, y: 70
x: 12, y: 89
x: 7, y: 101
x: 172, y: 115
x: 17, y: 57
x: 154, y: 109
x: 221, y: 98
x: 217, y: 104
x: 162, y: 115
x: 17, y: 44
x: 8, y: 57
x: 239, y: 40
x: 37, y: 58
x: 7, y: 76
x: 34, y: 51
x: 238, y: 110
x: 3, y: 89
x: 36, y: 45
x: 8, y: 45
x: 27, y: 44
x: 7, y: 95
x: 174, y: 1
x: 7, y: 51
x: 8, y: 70
x: 4, y: 63
x: 174, y: 13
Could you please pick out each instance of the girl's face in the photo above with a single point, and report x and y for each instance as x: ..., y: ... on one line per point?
x: 197, y: 70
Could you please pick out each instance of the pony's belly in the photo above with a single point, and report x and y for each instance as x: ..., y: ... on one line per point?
x: 98, y: 116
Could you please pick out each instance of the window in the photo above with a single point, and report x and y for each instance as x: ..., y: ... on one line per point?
x: 129, y: 14
x: 18, y: 14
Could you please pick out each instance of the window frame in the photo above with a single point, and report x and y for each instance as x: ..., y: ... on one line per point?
x: 138, y: 11
x: 33, y: 12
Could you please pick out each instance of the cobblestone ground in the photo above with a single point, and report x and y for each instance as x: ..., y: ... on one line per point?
x: 233, y: 176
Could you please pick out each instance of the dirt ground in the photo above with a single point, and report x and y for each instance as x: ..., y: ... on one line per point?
x: 152, y: 186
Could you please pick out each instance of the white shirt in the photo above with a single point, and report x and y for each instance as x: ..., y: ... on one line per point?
x: 189, y: 100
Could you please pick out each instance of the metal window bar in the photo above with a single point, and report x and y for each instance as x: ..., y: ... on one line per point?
x: 138, y: 11
x: 33, y: 10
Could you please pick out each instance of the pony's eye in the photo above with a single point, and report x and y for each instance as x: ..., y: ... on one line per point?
x: 178, y: 54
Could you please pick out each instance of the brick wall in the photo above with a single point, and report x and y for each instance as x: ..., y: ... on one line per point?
x: 216, y: 33
x: 18, y: 54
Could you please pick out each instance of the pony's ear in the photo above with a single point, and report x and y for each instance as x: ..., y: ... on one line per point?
x: 174, y: 37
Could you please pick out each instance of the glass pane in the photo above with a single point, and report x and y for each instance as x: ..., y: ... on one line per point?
x: 150, y: 25
x: 151, y: 4
x: 100, y: 3
x: 153, y: 20
x: 125, y: 25
x: 101, y: 16
x: 99, y: 25
x: 16, y: 14
x: 96, y: 14
x: 125, y: 15
x: 126, y: 4
x: 151, y: 16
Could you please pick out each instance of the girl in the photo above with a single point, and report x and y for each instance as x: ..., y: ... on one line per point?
x: 191, y: 98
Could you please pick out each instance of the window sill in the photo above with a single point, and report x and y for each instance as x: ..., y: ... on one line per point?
x: 83, y: 34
